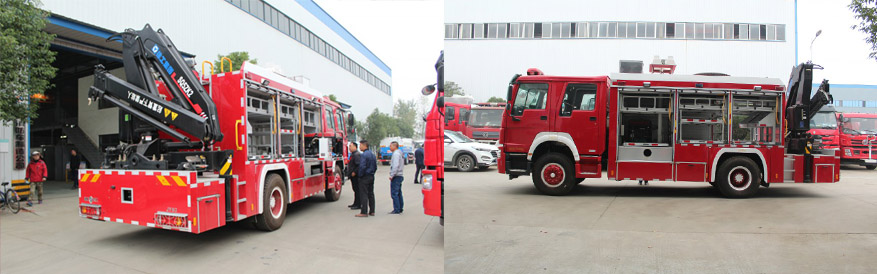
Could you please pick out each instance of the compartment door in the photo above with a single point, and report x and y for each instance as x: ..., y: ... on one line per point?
x: 208, y: 213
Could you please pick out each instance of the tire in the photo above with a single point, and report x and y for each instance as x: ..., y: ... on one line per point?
x: 273, y: 215
x: 713, y: 184
x: 465, y: 163
x: 333, y: 194
x: 738, y: 177
x: 12, y: 202
x: 385, y: 163
x: 483, y: 167
x: 871, y: 167
x: 553, y: 174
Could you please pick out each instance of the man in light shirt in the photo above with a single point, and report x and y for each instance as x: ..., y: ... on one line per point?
x: 397, y: 163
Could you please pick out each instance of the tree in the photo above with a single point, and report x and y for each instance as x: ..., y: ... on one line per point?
x: 379, y: 125
x: 494, y: 99
x: 25, y: 59
x: 237, y: 60
x: 452, y: 89
x: 866, y: 11
x: 333, y: 98
x: 406, y: 111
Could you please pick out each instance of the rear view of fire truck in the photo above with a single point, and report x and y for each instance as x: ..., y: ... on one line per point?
x: 173, y: 168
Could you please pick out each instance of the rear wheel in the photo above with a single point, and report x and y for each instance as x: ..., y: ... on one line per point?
x: 465, y: 163
x: 553, y: 174
x: 334, y: 193
x: 274, y: 204
x: 871, y: 167
x: 738, y: 177
x: 12, y: 201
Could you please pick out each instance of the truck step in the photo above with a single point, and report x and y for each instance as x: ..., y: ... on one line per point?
x: 789, y: 163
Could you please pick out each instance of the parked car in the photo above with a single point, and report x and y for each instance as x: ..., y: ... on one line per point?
x: 466, y: 154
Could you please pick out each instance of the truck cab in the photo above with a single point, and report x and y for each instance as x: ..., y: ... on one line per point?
x: 824, y: 128
x: 484, y: 122
x: 457, y: 112
x: 858, y: 139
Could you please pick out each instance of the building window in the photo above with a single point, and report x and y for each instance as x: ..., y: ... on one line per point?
x: 650, y: 30
x: 546, y: 30
x: 698, y: 31
x: 465, y: 31
x: 622, y: 30
x: 729, y: 31
x: 753, y: 32
x: 581, y: 30
x: 671, y: 30
x: 450, y: 31
x: 744, y: 32
x: 478, y: 31
x: 762, y: 32
x: 689, y: 30
x: 565, y: 30
x: 528, y: 30
x: 660, y: 30
x: 555, y: 30
x: 502, y: 30
x: 781, y: 32
x: 537, y: 30
x: 515, y: 30
x: 871, y: 104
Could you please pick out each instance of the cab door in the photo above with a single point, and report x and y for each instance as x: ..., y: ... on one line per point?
x: 451, y: 118
x: 527, y: 117
x: 579, y: 115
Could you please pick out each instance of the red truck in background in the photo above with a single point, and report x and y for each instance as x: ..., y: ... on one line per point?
x: 737, y: 133
x: 457, y: 112
x: 858, y: 139
x: 824, y: 128
x: 484, y: 122
x: 199, y: 152
x: 433, y: 176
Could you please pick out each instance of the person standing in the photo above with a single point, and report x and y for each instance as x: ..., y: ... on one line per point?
x: 352, y: 168
x: 397, y: 164
x: 368, y: 164
x: 75, y: 161
x: 418, y: 161
x: 36, y: 173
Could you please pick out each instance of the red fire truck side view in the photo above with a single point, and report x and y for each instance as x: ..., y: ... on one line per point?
x: 484, y: 122
x: 737, y: 133
x: 456, y: 112
x: 433, y: 176
x: 858, y: 139
x: 198, y: 153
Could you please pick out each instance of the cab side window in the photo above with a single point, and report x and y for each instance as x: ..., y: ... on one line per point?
x: 449, y: 114
x: 578, y: 97
x: 330, y: 120
x: 530, y: 96
x: 464, y: 115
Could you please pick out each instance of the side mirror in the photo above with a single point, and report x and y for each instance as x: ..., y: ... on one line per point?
x: 428, y: 89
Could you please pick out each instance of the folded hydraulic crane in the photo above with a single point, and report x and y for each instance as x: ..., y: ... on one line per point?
x: 800, y: 108
x: 149, y: 58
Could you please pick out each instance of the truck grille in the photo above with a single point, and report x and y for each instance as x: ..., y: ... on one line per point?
x: 485, y: 134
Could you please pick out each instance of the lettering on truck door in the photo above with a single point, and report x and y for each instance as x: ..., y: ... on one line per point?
x: 528, y: 116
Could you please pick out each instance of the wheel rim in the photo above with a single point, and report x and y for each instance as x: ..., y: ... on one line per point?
x: 740, y: 178
x: 465, y: 163
x: 338, y: 182
x: 553, y: 175
x: 276, y: 202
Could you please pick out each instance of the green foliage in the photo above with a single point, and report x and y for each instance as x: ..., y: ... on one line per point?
x: 25, y: 59
x: 494, y: 99
x: 237, y: 60
x: 379, y: 125
x: 333, y: 98
x: 452, y: 89
x: 406, y: 111
x: 866, y: 12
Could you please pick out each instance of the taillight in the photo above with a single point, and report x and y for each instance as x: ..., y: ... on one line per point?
x: 427, y: 181
x: 89, y: 211
x: 171, y: 220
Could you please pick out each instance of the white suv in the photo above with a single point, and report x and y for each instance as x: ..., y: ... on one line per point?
x: 466, y: 154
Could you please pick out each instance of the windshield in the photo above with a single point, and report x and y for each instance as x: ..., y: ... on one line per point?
x: 861, y: 126
x: 824, y: 120
x: 458, y: 137
x: 485, y: 118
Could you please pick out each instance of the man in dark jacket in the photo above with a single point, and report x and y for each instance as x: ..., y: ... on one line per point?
x: 352, y: 168
x: 75, y: 161
x: 368, y: 164
x: 418, y: 160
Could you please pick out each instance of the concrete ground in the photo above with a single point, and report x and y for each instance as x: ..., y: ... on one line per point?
x: 317, y: 237
x: 495, y: 225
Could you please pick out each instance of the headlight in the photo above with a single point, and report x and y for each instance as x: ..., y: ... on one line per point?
x: 483, y: 149
x: 427, y: 181
x: 848, y: 152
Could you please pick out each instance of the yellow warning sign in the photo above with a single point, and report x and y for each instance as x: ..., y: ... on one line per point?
x: 173, y: 115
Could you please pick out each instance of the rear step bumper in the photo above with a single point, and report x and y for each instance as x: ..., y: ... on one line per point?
x: 174, y: 200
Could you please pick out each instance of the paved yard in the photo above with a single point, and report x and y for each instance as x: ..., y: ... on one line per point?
x: 495, y: 225
x: 317, y: 237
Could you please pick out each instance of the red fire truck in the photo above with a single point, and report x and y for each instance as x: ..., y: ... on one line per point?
x: 728, y: 131
x: 484, y: 122
x: 858, y: 139
x: 198, y: 153
x: 433, y: 148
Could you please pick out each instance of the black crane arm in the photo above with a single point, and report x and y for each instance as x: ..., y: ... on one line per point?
x: 149, y: 56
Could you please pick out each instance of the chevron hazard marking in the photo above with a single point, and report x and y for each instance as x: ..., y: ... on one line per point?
x: 94, y: 179
x: 162, y: 180
x: 84, y: 177
x: 178, y: 181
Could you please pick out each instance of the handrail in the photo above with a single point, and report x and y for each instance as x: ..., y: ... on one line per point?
x: 222, y: 65
x: 202, y: 68
x: 237, y: 141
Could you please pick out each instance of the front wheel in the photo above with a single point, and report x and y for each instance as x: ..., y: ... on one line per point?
x: 273, y: 204
x: 334, y: 193
x: 465, y: 163
x: 870, y: 167
x: 553, y: 174
x: 12, y: 201
x: 738, y: 177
